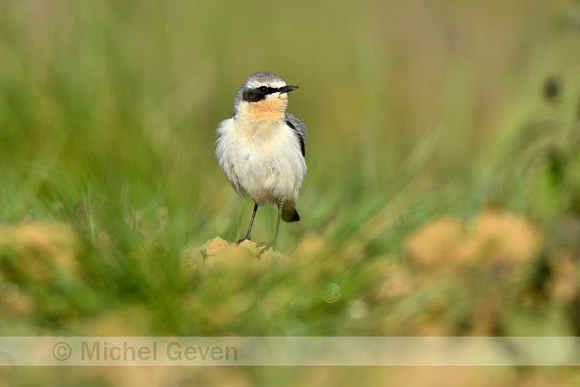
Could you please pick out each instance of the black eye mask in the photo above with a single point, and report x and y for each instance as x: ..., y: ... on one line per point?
x: 259, y: 93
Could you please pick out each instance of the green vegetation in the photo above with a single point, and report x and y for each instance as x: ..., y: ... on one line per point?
x: 442, y: 193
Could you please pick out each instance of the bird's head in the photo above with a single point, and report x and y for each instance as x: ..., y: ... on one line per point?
x: 263, y: 94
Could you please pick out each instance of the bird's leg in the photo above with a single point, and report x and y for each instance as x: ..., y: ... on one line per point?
x: 272, y: 245
x: 247, y: 237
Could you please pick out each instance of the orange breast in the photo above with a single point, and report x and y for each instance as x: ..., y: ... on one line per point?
x: 267, y: 108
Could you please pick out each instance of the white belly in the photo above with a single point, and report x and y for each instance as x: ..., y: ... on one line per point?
x: 261, y: 160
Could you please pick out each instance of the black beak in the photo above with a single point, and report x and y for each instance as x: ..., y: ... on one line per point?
x: 287, y: 89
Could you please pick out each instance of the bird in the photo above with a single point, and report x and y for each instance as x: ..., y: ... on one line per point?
x: 261, y: 148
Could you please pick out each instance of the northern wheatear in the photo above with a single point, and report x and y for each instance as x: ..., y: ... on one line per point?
x: 261, y: 148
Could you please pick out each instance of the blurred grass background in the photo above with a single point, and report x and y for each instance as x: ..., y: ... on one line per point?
x: 442, y: 194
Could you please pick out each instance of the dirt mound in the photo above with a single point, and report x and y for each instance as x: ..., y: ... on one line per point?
x: 220, y: 249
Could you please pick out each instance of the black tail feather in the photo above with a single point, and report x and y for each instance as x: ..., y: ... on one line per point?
x: 289, y: 213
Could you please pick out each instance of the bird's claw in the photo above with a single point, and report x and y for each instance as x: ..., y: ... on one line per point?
x: 267, y: 246
x: 246, y: 238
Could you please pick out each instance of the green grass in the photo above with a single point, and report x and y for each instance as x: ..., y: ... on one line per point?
x: 415, y: 110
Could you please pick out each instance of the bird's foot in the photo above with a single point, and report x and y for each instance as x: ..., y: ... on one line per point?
x: 267, y: 246
x: 246, y: 238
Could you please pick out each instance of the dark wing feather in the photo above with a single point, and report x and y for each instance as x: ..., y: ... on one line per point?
x: 298, y: 128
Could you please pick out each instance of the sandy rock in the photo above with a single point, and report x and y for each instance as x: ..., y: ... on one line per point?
x: 38, y: 249
x: 214, y: 246
x: 493, y: 237
x: 218, y: 249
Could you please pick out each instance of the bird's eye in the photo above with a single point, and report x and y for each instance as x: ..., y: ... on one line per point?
x: 262, y: 89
